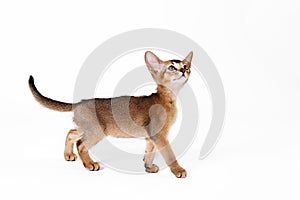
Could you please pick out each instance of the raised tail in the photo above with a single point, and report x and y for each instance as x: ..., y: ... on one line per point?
x: 47, y: 102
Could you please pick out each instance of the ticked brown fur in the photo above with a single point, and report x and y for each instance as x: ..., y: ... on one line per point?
x: 127, y: 116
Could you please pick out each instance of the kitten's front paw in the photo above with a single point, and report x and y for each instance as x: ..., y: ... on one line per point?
x: 179, y: 172
x: 153, y: 169
x: 92, y: 166
x: 70, y: 156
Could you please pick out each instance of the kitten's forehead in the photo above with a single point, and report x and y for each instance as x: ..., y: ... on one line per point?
x: 175, y: 63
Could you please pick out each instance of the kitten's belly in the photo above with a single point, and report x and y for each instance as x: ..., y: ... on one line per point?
x: 126, y: 132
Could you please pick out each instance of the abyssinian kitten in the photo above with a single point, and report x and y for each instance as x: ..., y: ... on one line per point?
x: 152, y: 116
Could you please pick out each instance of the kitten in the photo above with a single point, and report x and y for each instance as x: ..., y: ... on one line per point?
x: 128, y: 116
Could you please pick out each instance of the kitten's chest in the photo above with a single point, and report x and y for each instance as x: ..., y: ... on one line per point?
x: 171, y: 110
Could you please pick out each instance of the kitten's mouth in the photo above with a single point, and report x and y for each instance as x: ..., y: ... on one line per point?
x: 183, y: 76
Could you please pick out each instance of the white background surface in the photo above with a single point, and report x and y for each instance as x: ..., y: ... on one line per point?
x: 255, y: 46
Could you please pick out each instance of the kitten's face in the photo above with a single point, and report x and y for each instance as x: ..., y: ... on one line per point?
x: 172, y: 73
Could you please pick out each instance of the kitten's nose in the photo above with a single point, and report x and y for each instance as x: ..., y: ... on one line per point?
x: 182, y: 71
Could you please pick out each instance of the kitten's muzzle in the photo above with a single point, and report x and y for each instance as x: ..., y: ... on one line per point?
x: 182, y: 70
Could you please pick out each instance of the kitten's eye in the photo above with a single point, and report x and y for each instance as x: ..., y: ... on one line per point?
x: 185, y: 67
x: 171, y: 68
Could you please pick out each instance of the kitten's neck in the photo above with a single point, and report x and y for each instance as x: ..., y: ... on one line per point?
x: 166, y: 92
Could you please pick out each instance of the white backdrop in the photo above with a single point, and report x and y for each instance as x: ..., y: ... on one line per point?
x: 255, y: 46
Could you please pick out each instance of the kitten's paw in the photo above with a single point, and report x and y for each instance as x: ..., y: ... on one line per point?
x: 70, y: 156
x: 92, y: 166
x: 153, y: 169
x: 179, y: 172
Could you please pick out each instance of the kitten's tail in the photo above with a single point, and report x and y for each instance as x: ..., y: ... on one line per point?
x: 47, y: 102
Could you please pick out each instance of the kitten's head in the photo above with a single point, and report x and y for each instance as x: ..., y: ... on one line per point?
x: 171, y: 73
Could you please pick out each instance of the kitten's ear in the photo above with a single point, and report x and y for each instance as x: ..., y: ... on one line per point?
x: 188, y: 59
x: 153, y: 63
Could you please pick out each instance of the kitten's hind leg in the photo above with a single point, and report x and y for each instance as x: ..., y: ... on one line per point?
x: 149, y: 157
x: 89, y: 127
x: 87, y: 161
x: 72, y: 137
